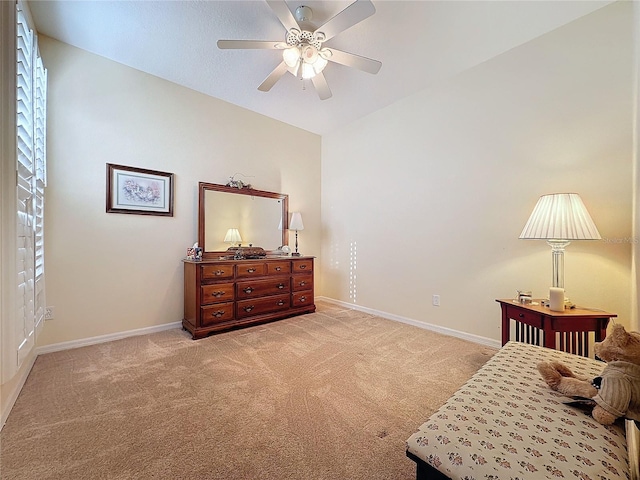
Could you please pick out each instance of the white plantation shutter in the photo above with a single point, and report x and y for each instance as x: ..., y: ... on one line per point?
x: 40, y: 143
x: 31, y: 166
x: 25, y: 335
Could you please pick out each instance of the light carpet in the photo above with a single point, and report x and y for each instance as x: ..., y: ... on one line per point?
x: 329, y: 395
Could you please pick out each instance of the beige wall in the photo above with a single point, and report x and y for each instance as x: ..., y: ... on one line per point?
x: 429, y: 195
x: 109, y: 273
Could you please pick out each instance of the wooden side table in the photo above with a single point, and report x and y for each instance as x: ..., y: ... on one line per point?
x: 536, y: 323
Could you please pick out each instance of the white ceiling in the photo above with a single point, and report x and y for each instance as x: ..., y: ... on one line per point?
x: 418, y: 42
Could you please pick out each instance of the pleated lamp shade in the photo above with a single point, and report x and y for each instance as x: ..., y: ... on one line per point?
x: 233, y: 236
x: 560, y: 216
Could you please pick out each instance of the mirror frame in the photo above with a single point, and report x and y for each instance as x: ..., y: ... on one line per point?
x: 204, y: 187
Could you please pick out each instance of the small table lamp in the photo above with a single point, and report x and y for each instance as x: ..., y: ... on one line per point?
x: 296, y: 224
x: 559, y: 218
x: 233, y: 236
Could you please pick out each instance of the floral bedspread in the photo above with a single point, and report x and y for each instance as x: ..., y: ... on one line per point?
x: 505, y: 423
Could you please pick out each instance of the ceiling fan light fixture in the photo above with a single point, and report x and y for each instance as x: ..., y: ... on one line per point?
x: 291, y: 57
x: 310, y: 70
x: 304, y: 60
x: 309, y: 54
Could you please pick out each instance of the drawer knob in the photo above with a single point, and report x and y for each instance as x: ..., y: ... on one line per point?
x: 218, y: 272
x: 248, y: 290
x: 302, y: 267
x: 303, y: 298
x: 281, y: 286
x: 280, y: 303
x: 303, y: 283
x: 248, y: 308
x: 251, y: 270
x: 218, y: 314
x: 217, y: 294
x: 278, y: 269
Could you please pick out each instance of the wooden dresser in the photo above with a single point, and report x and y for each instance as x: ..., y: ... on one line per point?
x: 221, y: 295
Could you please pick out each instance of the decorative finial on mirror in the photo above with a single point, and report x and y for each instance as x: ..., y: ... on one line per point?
x: 233, y: 183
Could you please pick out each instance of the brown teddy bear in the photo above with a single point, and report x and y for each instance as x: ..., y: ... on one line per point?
x: 616, y: 392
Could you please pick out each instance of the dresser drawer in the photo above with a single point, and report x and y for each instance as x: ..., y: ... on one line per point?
x: 530, y: 318
x: 300, y: 266
x: 251, y: 270
x: 302, y: 282
x: 258, y: 306
x: 221, y: 312
x: 217, y: 272
x: 275, y: 268
x: 260, y: 288
x: 302, y: 299
x: 217, y: 293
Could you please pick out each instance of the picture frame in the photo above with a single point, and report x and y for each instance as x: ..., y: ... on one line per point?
x: 139, y: 191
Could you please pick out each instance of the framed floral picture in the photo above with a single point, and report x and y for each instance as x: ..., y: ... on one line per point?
x: 139, y: 191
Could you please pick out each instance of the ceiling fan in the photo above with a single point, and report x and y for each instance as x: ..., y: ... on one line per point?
x: 304, y: 54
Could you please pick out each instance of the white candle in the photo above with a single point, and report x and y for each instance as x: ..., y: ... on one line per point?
x: 556, y: 299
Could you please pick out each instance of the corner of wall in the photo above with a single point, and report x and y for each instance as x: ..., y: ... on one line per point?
x: 12, y: 388
x: 7, y: 200
x: 635, y: 264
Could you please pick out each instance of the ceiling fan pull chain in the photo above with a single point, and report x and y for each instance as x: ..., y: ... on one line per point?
x: 300, y: 62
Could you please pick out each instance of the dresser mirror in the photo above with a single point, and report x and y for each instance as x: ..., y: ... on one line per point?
x: 260, y: 217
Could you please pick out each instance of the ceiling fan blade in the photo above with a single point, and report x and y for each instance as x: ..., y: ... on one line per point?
x: 321, y: 86
x: 273, y: 77
x: 281, y: 9
x: 250, y: 44
x: 351, y: 60
x: 347, y: 18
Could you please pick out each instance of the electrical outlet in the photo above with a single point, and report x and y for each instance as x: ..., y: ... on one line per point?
x: 436, y: 300
x: 49, y: 313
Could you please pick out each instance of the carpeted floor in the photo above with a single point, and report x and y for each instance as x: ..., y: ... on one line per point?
x: 330, y: 395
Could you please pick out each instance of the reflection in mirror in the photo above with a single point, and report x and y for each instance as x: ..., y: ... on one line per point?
x: 256, y: 218
x: 255, y: 213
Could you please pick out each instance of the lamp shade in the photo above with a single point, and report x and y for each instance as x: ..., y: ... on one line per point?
x: 296, y: 222
x: 232, y: 236
x: 560, y: 216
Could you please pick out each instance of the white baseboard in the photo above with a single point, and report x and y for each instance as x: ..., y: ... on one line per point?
x: 16, y: 391
x: 83, y: 342
x: 427, y: 326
